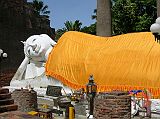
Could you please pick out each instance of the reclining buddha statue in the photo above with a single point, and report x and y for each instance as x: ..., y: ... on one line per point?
x: 123, y: 62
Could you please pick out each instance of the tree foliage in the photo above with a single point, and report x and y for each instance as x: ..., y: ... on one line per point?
x: 73, y: 26
x: 133, y: 15
x: 40, y: 8
x: 59, y: 33
x: 89, y: 29
x: 94, y: 16
x: 69, y: 26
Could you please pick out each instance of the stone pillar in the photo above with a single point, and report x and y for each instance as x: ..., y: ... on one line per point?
x: 25, y: 99
x: 115, y: 105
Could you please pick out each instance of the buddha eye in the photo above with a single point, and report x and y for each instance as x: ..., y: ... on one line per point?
x: 34, y: 40
x: 29, y: 52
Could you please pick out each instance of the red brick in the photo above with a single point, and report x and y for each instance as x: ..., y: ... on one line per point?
x: 4, y: 90
x: 6, y: 108
x: 5, y: 96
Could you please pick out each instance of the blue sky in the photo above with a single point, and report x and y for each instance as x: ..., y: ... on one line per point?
x: 71, y: 10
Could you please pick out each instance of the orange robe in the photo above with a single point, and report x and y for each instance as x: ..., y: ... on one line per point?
x: 124, y: 62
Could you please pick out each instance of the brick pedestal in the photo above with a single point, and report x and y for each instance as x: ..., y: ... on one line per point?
x: 113, y: 105
x: 25, y: 99
x: 6, y: 102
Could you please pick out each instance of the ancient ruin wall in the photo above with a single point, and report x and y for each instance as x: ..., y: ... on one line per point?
x: 111, y: 105
x: 17, y: 23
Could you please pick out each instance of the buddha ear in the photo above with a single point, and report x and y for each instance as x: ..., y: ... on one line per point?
x: 24, y: 43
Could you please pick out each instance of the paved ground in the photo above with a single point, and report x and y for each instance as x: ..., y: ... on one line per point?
x: 50, y: 103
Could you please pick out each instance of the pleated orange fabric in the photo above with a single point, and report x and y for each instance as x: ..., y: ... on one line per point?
x: 124, y: 62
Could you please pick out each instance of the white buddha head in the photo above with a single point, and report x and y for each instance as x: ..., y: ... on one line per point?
x: 37, y: 47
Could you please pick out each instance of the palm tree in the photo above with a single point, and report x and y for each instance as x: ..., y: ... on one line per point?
x: 40, y: 8
x: 69, y: 26
x: 158, y: 8
x: 73, y: 26
x: 104, y: 18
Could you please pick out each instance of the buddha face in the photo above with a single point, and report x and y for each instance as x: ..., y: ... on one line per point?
x: 37, y: 46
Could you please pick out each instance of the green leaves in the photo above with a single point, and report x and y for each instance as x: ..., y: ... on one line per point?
x: 132, y: 15
x: 40, y: 8
x: 59, y: 33
x: 69, y: 26
x: 144, y: 23
x: 94, y: 16
x: 89, y: 29
x: 123, y: 16
x: 73, y: 26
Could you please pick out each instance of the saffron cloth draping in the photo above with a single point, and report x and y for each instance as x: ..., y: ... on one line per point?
x: 124, y: 62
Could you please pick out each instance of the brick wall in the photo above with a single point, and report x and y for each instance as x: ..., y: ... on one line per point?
x: 25, y: 99
x: 5, y: 78
x: 111, y: 105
